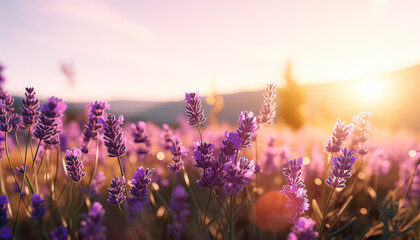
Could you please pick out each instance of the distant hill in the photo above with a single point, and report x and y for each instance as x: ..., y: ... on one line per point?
x: 324, y: 102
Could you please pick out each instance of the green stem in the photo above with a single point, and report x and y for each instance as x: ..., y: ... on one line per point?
x: 207, y: 208
x: 410, y: 181
x: 325, y: 214
x: 159, y: 196
x: 199, y: 131
x: 231, y: 227
x: 122, y: 174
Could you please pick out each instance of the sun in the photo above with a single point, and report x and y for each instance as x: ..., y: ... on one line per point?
x: 371, y: 91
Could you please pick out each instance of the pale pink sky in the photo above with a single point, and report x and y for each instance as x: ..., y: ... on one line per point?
x: 157, y: 50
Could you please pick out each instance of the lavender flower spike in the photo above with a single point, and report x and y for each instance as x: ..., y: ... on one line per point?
x: 140, y: 180
x: 339, y: 134
x: 38, y: 205
x: 74, y: 164
x: 203, y: 154
x: 113, y: 136
x: 303, y: 230
x: 342, y: 166
x: 238, y: 175
x: 195, y: 112
x: 30, y: 108
x: 93, y: 127
x: 116, y: 192
x: 295, y: 190
x: 361, y: 131
x: 178, y: 206
x: 247, y: 128
x: 140, y: 138
x: 59, y: 233
x: 178, y: 151
x: 92, y: 227
x: 268, y: 108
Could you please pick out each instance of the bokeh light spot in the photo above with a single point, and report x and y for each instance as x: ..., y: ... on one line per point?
x: 306, y: 160
x: 318, y: 181
x: 412, y: 153
x: 160, y: 156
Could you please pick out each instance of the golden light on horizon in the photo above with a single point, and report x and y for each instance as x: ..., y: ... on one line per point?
x: 371, y: 91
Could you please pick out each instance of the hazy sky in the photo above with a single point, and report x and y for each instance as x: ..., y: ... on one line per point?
x: 157, y: 50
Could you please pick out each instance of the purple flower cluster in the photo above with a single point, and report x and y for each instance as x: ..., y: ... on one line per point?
x: 361, y: 131
x: 195, y: 112
x: 247, y: 128
x: 178, y: 206
x: 140, y: 180
x: 339, y: 134
x: 303, y: 230
x: 74, y: 164
x: 167, y: 137
x: 203, y: 154
x: 5, y: 231
x: 49, y: 123
x: 93, y: 127
x: 116, y: 191
x: 238, y: 175
x: 268, y: 108
x: 178, y: 151
x: 38, y: 205
x: 140, y: 138
x: 92, y: 227
x: 294, y: 190
x: 215, y: 174
x: 342, y: 166
x: 7, y: 101
x: 3, y: 210
x: 30, y: 108
x: 59, y: 233
x: 113, y: 136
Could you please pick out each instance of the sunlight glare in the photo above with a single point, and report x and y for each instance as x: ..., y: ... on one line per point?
x: 371, y: 91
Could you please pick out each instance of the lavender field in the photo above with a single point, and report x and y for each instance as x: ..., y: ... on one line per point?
x: 108, y: 179
x: 189, y: 120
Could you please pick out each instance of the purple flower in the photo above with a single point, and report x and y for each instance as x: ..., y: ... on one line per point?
x: 247, y: 128
x: 30, y: 108
x: 5, y: 121
x: 6, y: 233
x: 92, y: 128
x: 140, y: 138
x: 238, y: 175
x: 178, y: 206
x: 38, y: 205
x: 113, y: 136
x: 74, y: 164
x: 361, y: 131
x: 140, y: 180
x: 167, y: 137
x: 92, y: 227
x: 203, y: 154
x: 342, y: 166
x: 294, y: 190
x: 59, y: 233
x: 7, y: 100
x: 97, y: 183
x: 195, y: 112
x: 3, y: 210
x: 15, y: 121
x: 178, y: 151
x: 116, y: 191
x: 339, y: 134
x: 268, y: 108
x: 49, y: 124
x: 214, y: 176
x: 303, y: 230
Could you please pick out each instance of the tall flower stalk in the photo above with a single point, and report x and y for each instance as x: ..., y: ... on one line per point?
x: 342, y: 167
